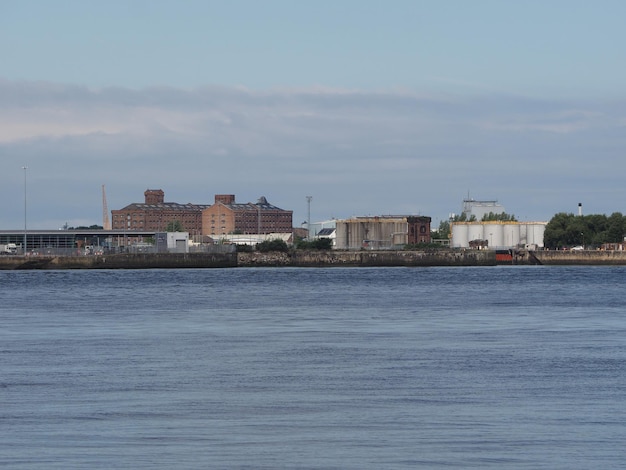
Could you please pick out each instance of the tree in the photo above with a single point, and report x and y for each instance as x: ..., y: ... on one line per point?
x: 502, y: 216
x: 555, y: 231
x: 565, y: 230
x: 443, y: 232
x: 174, y: 226
x: 616, y: 228
x: 463, y: 218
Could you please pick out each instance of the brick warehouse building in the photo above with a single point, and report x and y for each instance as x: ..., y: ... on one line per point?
x: 227, y: 217
x: 155, y: 214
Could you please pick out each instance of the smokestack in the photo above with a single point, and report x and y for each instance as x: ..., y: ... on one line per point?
x: 580, y: 208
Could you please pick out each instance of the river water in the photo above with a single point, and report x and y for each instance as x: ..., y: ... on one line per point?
x: 341, y: 368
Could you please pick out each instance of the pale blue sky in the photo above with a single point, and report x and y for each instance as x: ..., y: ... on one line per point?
x: 538, y: 48
x: 349, y: 101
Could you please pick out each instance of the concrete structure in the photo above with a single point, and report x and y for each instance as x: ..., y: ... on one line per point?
x: 229, y: 217
x: 72, y: 242
x: 154, y: 214
x: 172, y: 242
x: 384, y: 232
x: 498, y: 234
x: 317, y: 227
x: 478, y: 209
x: 329, y: 233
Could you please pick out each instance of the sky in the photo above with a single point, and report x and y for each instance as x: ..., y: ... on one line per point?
x: 369, y: 107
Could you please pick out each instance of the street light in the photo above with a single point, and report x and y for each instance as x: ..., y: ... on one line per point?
x: 25, y: 230
x: 308, y: 225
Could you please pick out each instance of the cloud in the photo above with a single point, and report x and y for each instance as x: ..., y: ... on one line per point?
x: 356, y: 152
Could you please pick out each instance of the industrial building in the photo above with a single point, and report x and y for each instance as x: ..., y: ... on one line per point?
x: 380, y: 233
x: 227, y: 216
x: 154, y: 214
x: 72, y: 242
x: 497, y: 234
x: 475, y: 209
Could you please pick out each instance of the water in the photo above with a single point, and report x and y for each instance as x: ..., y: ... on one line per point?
x: 386, y: 368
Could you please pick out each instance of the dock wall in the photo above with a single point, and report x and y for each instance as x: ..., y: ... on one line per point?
x: 368, y: 258
x: 311, y: 259
x: 231, y: 260
x: 584, y: 257
x: 123, y: 261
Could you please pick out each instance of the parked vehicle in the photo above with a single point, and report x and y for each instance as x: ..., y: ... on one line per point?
x: 8, y: 249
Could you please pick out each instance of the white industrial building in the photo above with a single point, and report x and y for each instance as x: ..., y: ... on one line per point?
x: 479, y: 209
x: 172, y: 242
x: 498, y: 234
x: 316, y: 227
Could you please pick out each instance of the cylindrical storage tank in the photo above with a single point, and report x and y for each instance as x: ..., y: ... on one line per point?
x: 495, y: 235
x: 459, y: 236
x: 523, y: 232
x: 535, y: 232
x: 511, y: 235
x: 475, y: 232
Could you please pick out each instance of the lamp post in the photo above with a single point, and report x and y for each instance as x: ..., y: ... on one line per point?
x: 25, y: 225
x: 308, y: 224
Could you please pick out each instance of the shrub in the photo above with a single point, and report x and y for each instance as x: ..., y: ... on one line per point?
x: 272, y: 245
x: 318, y: 244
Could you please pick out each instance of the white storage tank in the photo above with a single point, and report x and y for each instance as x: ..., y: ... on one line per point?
x: 476, y: 232
x: 511, y: 234
x: 523, y: 231
x: 535, y: 232
x: 459, y: 235
x: 495, y: 234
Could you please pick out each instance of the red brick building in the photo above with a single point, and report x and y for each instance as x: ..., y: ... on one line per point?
x: 154, y: 214
x: 418, y: 229
x: 229, y: 217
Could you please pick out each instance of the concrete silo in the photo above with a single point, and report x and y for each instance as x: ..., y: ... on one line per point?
x: 494, y: 232
x: 459, y: 235
x: 476, y: 232
x: 535, y: 232
x: 511, y: 234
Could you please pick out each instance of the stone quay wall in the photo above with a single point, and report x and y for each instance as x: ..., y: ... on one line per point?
x: 310, y: 259
x: 368, y: 258
x: 123, y: 261
x: 231, y: 260
x: 581, y: 258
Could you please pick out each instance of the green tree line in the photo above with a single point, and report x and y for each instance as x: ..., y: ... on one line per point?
x: 566, y: 230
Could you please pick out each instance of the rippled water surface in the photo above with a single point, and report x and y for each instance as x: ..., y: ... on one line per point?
x: 499, y: 367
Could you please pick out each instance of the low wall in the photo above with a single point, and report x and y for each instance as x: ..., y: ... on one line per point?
x: 123, y: 261
x: 231, y: 260
x: 310, y: 258
x: 549, y: 257
x: 369, y: 258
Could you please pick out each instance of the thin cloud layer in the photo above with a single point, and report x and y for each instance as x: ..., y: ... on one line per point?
x: 355, y: 152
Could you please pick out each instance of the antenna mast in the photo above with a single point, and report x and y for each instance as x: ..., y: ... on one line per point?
x: 106, y: 224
